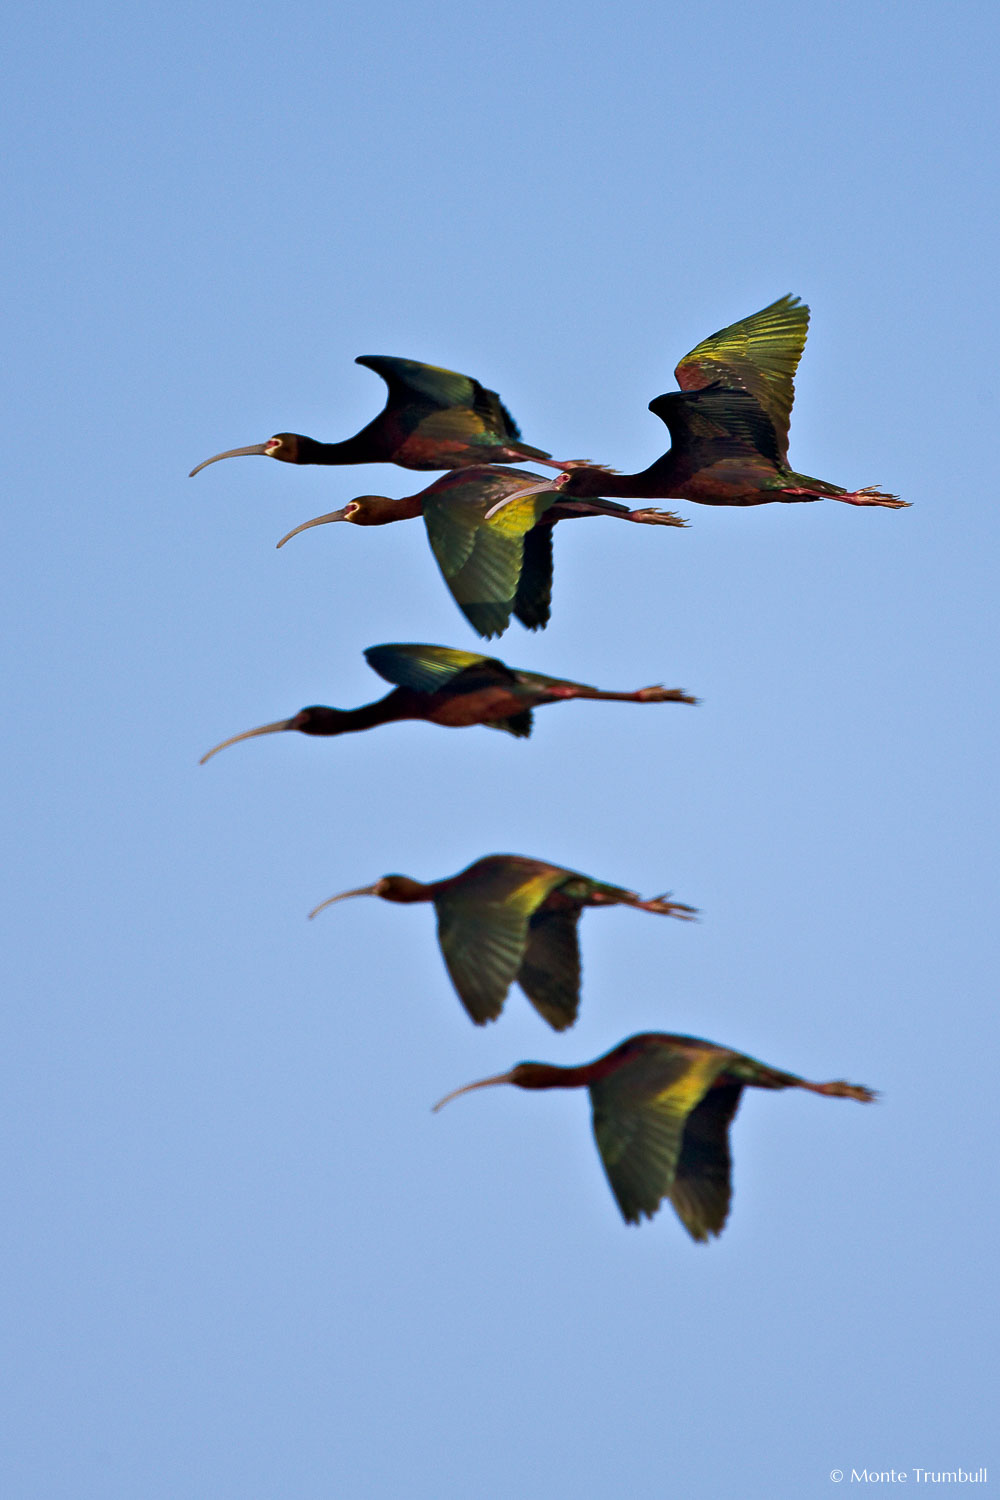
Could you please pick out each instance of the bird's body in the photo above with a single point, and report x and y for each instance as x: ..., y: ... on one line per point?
x: 662, y: 1106
x: 729, y: 424
x: 432, y: 419
x: 507, y: 918
x: 490, y: 529
x: 455, y: 689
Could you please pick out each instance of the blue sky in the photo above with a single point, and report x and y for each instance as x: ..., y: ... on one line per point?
x: 242, y: 1257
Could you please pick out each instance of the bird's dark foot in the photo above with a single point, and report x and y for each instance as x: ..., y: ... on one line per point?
x: 872, y: 495
x: 660, y: 694
x: 840, y: 1090
x: 567, y: 463
x: 668, y: 908
x: 653, y: 517
x: 582, y: 463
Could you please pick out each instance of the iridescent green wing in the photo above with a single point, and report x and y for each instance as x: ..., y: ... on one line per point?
x: 428, y: 668
x: 640, y: 1114
x: 481, y: 560
x: 550, y: 972
x: 418, y: 390
x: 427, y: 386
x: 702, y: 1184
x: 760, y: 354
x: 483, y: 928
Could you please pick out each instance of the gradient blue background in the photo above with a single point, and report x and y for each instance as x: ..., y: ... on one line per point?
x: 242, y: 1257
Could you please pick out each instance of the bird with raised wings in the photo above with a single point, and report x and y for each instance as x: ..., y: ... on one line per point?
x: 728, y: 425
x: 432, y: 419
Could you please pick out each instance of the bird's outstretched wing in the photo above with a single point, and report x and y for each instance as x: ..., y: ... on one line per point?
x: 702, y: 1186
x: 423, y: 385
x: 482, y: 560
x: 640, y: 1115
x: 760, y: 354
x: 713, y: 424
x: 483, y: 928
x: 428, y: 388
x: 425, y: 669
x: 550, y: 972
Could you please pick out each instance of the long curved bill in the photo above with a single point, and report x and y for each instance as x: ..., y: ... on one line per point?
x: 543, y: 487
x: 230, y: 453
x: 363, y: 890
x: 335, y: 515
x: 249, y: 734
x: 484, y: 1083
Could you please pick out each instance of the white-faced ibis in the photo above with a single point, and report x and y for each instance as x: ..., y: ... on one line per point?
x: 662, y: 1106
x: 433, y: 419
x: 508, y: 918
x: 452, y: 688
x: 490, y: 529
x: 729, y: 424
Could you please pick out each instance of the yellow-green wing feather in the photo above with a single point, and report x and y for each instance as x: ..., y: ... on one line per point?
x: 759, y: 354
x: 481, y: 560
x: 482, y: 954
x: 483, y: 927
x: 427, y: 668
x: 640, y: 1114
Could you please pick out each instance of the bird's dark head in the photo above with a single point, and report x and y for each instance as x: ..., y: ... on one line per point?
x: 371, y: 510
x: 400, y: 888
x: 319, y: 719
x: 293, y: 448
x: 289, y: 447
x: 536, y: 1075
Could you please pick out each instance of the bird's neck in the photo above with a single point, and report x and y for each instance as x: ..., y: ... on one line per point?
x: 403, y: 889
x: 379, y: 510
x: 401, y: 703
x: 360, y: 449
x: 650, y: 484
x: 534, y: 1075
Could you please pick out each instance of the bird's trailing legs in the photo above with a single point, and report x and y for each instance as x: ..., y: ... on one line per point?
x: 667, y: 908
x: 870, y: 494
x: 648, y: 516
x: 656, y: 694
x: 653, y: 517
